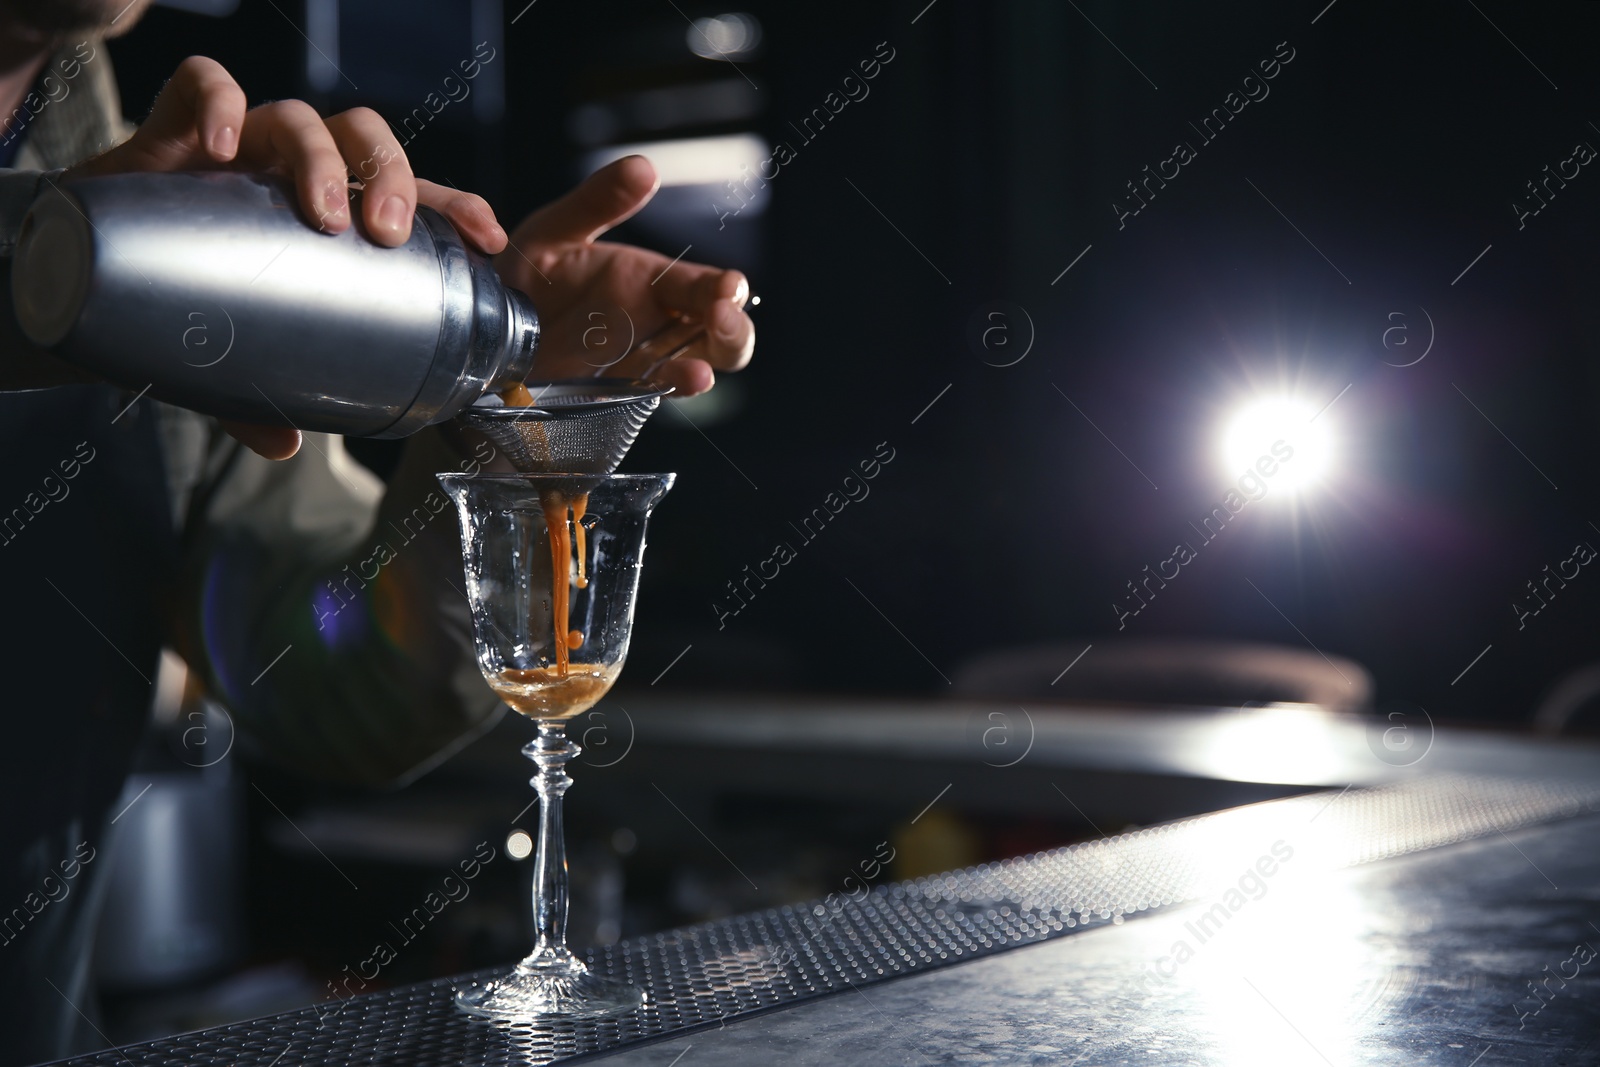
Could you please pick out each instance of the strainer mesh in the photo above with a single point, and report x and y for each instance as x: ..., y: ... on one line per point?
x: 578, y: 427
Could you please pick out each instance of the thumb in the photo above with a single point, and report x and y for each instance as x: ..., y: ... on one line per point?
x: 607, y: 198
x: 269, y: 442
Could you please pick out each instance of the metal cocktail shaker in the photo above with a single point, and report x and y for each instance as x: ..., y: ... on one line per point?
x: 213, y: 290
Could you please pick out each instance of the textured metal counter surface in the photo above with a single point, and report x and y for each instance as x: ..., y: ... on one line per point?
x: 1271, y: 899
x: 1421, y: 960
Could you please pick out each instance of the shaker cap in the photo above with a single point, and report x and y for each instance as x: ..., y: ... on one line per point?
x: 50, y: 271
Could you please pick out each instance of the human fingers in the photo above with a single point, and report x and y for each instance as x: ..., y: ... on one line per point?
x: 716, y: 298
x: 468, y: 212
x: 200, y: 100
x: 601, y: 201
x: 291, y: 135
x: 730, y: 338
x: 688, y: 377
x: 689, y: 288
x: 270, y: 442
x: 388, y: 187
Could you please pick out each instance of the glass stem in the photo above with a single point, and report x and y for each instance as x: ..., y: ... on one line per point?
x: 551, y: 751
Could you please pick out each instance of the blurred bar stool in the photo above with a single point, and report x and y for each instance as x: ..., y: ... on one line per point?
x: 1166, y: 671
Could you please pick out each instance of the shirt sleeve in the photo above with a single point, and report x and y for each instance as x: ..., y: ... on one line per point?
x: 327, y: 612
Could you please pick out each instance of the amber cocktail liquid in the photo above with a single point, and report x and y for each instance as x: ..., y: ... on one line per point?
x: 541, y: 693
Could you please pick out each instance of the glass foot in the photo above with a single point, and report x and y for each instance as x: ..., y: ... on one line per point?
x: 523, y: 995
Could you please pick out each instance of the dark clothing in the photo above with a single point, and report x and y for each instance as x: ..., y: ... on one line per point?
x: 84, y: 575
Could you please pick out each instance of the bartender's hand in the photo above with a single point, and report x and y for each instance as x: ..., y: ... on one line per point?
x: 200, y: 122
x: 593, y: 294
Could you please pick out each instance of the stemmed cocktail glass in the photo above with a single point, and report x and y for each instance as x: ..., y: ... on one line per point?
x: 552, y: 566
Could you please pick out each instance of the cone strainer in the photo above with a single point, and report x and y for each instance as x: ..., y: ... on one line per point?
x: 577, y: 426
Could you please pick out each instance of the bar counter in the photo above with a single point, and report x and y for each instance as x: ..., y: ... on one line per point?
x: 1437, y: 919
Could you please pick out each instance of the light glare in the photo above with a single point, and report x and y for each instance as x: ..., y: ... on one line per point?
x: 729, y: 36
x: 1276, y: 427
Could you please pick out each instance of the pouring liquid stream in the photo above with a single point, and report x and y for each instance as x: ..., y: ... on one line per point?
x: 563, y: 520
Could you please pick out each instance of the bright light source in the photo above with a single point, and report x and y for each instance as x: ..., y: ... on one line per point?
x: 728, y: 36
x: 1293, y: 436
x: 734, y: 157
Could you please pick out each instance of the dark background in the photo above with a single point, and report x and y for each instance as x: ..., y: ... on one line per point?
x: 995, y: 143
